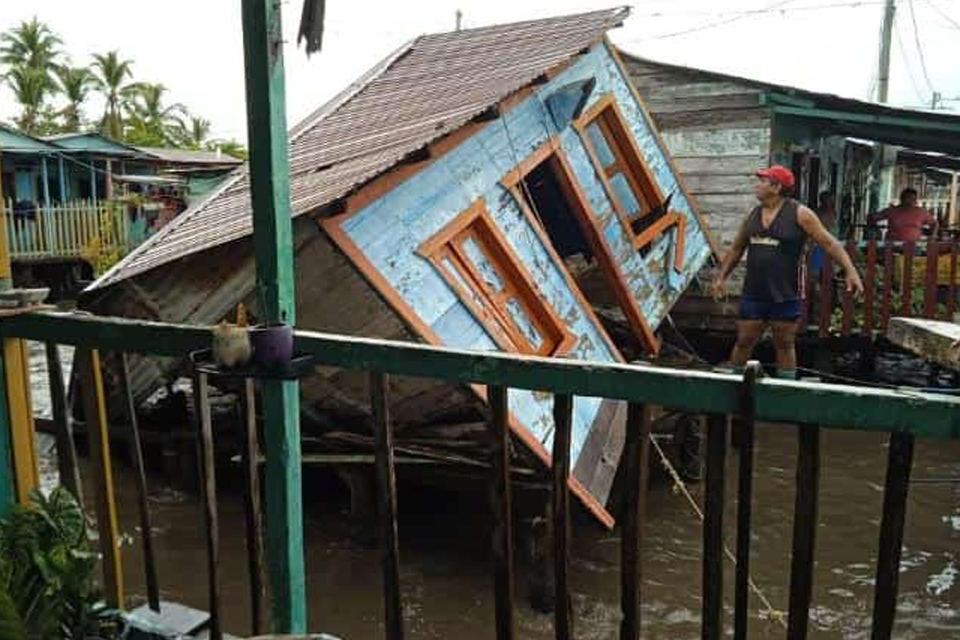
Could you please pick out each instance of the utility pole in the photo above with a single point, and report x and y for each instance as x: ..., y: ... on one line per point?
x: 881, y: 180
x: 459, y: 15
x: 886, y: 36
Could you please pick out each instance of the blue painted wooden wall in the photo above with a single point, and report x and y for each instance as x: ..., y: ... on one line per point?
x: 390, y: 230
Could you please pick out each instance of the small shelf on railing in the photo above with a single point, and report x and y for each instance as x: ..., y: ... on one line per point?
x: 300, y: 365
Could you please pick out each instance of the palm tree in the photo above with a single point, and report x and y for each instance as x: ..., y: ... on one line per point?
x: 30, y: 88
x: 75, y: 82
x: 31, y: 44
x: 111, y: 71
x: 32, y: 51
x: 151, y: 118
x: 195, y: 133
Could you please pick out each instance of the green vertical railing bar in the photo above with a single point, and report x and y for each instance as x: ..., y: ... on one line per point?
x: 8, y: 490
x: 273, y: 248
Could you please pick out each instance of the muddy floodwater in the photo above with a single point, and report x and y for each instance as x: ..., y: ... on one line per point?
x: 446, y: 573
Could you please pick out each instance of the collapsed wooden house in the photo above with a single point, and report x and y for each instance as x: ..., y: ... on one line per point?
x: 492, y: 189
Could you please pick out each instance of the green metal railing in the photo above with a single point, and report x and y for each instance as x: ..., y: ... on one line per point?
x: 807, y: 405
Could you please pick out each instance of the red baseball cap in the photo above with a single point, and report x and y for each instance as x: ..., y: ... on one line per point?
x: 779, y: 173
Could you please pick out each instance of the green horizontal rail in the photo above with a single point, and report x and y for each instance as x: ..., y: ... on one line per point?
x: 841, y: 406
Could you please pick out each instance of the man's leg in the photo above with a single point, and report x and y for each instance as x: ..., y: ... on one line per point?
x: 748, y: 334
x: 785, y: 344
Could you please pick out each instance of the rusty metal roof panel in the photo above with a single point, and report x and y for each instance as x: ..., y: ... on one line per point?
x: 427, y: 88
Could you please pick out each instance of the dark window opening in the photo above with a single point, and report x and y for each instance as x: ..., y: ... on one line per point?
x: 548, y: 194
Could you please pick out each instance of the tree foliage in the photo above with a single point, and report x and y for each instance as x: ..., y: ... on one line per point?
x: 51, y: 93
x: 47, y: 574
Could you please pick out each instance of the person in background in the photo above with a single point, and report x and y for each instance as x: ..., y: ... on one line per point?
x: 774, y: 235
x: 906, y: 220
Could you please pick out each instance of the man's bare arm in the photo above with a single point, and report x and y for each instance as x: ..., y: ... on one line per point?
x: 810, y: 223
x: 731, y: 259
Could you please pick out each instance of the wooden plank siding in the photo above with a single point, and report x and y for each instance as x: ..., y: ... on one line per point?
x: 719, y: 135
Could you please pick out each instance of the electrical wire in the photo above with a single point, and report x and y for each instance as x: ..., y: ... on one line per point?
x: 906, y: 64
x: 719, y: 23
x: 916, y: 39
x: 945, y: 15
x: 735, y: 16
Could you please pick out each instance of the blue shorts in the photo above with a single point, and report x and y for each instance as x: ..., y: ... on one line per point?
x: 755, y: 309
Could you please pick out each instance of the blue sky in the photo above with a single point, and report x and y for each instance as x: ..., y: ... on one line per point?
x: 194, y: 47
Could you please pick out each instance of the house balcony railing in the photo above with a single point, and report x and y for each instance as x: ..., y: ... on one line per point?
x: 805, y: 407
x: 75, y: 230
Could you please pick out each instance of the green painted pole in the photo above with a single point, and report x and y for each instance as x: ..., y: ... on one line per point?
x: 273, y: 249
x: 8, y: 487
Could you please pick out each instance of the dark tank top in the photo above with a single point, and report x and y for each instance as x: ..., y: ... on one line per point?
x: 775, y: 255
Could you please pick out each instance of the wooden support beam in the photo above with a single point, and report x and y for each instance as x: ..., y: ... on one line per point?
x: 635, y: 471
x: 502, y: 512
x: 930, y: 280
x: 86, y: 363
x: 20, y: 411
x: 208, y: 488
x: 140, y: 474
x: 253, y: 515
x: 870, y: 289
x: 741, y: 589
x: 804, y: 531
x: 899, y: 463
x: 562, y: 421
x: 69, y: 469
x: 886, y: 304
x: 712, y: 625
x: 273, y: 251
x: 387, y: 502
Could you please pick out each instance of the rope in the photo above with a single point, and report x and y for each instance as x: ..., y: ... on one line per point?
x: 768, y: 611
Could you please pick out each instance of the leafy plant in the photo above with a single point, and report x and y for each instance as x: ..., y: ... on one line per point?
x: 47, y: 585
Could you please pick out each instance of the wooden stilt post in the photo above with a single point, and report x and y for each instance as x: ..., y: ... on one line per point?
x: 273, y: 250
x: 87, y: 364
x: 20, y: 413
x: 8, y: 489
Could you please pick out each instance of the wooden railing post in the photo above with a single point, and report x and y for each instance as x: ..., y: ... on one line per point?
x: 20, y: 415
x: 712, y: 624
x: 87, y: 364
x: 741, y: 591
x: 804, y: 530
x: 387, y: 506
x: 208, y: 488
x: 68, y: 467
x: 635, y: 470
x: 501, y: 504
x: 140, y: 473
x: 253, y: 514
x: 899, y: 463
x: 273, y: 253
x: 562, y: 419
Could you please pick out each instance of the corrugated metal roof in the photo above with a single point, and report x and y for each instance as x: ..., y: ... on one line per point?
x: 429, y: 87
x: 91, y: 142
x: 190, y: 156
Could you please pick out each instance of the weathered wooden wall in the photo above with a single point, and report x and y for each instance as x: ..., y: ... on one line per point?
x: 331, y: 296
x: 389, y: 231
x: 718, y: 132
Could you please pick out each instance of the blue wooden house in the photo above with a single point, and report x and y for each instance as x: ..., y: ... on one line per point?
x: 499, y: 188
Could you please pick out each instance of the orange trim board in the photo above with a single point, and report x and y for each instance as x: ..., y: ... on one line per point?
x: 511, y: 181
x: 407, y: 313
x: 558, y: 340
x: 651, y: 123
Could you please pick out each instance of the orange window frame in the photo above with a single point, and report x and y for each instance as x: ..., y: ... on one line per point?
x: 628, y: 160
x: 446, y: 250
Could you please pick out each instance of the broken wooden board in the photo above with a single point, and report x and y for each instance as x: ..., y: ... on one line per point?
x: 173, y: 621
x: 931, y: 339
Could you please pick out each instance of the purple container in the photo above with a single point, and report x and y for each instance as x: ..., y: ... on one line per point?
x: 272, y: 344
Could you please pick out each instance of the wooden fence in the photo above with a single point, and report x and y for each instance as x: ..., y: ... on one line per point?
x: 68, y: 231
x: 911, y: 279
x: 805, y: 407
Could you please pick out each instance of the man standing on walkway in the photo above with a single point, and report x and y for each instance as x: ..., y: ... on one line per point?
x: 775, y: 235
x: 907, y: 220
